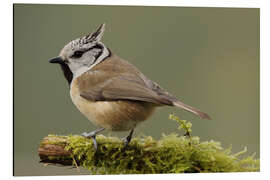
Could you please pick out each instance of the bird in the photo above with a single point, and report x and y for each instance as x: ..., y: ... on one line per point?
x: 111, y: 92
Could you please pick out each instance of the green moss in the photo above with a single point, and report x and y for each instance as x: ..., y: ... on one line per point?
x: 55, y: 140
x: 171, y: 154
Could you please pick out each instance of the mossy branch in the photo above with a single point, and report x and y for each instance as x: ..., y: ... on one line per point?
x: 171, y: 154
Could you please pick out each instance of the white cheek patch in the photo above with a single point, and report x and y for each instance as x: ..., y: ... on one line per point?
x: 88, y: 61
x: 93, y: 52
x: 79, y: 71
x: 104, y: 54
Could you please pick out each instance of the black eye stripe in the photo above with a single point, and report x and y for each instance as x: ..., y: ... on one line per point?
x: 97, y: 46
x: 78, y: 54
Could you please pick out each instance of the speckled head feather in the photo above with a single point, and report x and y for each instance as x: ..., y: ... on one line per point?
x: 84, y: 53
x: 83, y: 43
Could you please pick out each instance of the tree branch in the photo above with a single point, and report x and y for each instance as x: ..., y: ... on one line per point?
x: 171, y: 154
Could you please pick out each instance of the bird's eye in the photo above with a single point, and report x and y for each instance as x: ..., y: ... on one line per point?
x: 77, y: 54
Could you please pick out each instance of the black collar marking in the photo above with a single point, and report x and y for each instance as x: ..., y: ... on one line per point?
x: 67, y: 72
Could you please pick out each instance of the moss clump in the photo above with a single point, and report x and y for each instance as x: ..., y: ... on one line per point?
x: 171, y: 154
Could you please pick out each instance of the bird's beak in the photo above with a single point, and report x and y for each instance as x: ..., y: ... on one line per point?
x: 57, y: 60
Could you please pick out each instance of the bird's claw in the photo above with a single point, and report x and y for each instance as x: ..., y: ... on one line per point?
x: 127, y: 139
x: 88, y: 135
x: 92, y: 135
x: 94, y: 142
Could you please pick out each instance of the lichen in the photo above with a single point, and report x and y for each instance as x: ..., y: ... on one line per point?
x: 171, y: 154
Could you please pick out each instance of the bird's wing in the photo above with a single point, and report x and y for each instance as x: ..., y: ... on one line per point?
x: 126, y: 82
x: 100, y: 86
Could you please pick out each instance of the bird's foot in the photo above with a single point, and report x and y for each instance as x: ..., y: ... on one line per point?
x: 89, y: 135
x: 127, y: 139
x: 92, y: 135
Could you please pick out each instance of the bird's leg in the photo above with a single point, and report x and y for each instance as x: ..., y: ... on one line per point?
x: 93, y: 136
x: 128, y: 138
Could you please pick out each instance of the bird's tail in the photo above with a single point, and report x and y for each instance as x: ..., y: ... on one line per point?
x: 191, y: 109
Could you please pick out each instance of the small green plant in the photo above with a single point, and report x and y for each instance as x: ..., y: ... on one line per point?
x: 182, y: 124
x: 171, y: 154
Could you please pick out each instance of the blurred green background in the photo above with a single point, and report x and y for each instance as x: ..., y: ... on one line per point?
x: 208, y: 57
